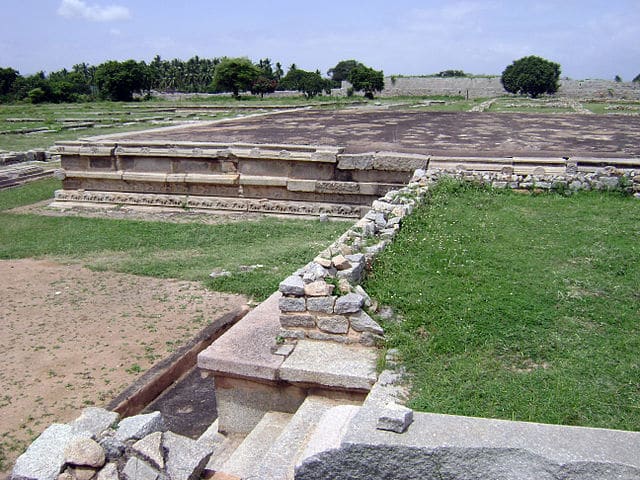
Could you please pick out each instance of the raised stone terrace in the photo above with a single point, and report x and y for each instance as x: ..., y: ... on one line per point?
x: 328, y: 162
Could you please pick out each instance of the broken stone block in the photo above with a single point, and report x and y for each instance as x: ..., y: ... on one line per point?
x: 297, y: 320
x: 139, y: 426
x: 82, y: 472
x: 340, y: 262
x: 362, y: 322
x: 292, y: 285
x: 137, y: 469
x: 333, y: 323
x: 350, y: 303
x: 185, y: 458
x: 150, y: 449
x: 360, y: 291
x: 314, y: 272
x: 84, y: 452
x: 108, y: 472
x: 292, y: 304
x: 44, y: 458
x: 395, y: 418
x: 321, y: 304
x: 323, y: 262
x: 318, y: 288
x: 113, y: 448
x: 93, y: 421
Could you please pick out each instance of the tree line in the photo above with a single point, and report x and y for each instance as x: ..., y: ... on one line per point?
x: 120, y: 80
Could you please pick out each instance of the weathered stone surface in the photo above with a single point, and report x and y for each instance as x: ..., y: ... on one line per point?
x: 138, y: 426
x: 355, y: 162
x: 108, y: 472
x: 292, y: 285
x: 340, y: 262
x: 94, y: 421
x: 395, y: 418
x: 84, y: 452
x: 330, y: 337
x: 321, y: 304
x: 150, y: 449
x: 113, y: 448
x: 65, y: 476
x: 350, y: 303
x: 44, y: 458
x: 292, y: 304
x: 294, y: 320
x: 137, y: 469
x: 333, y: 323
x: 323, y: 262
x: 314, y: 272
x: 360, y: 291
x: 185, y: 458
x: 319, y: 288
x: 82, y: 472
x: 362, y: 322
x: 331, y: 364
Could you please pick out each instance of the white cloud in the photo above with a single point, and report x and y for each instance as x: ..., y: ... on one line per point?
x: 95, y: 13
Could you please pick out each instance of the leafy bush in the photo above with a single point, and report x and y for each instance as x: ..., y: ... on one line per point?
x: 531, y: 76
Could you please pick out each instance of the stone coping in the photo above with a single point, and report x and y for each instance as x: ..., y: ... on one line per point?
x: 245, y: 351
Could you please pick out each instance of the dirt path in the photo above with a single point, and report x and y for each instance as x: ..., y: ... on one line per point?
x: 71, y: 337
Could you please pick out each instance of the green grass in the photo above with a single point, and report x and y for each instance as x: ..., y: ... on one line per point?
x: 167, y: 250
x: 517, y: 306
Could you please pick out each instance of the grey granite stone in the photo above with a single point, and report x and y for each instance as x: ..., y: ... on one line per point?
x: 44, y: 458
x: 292, y: 304
x: 136, y: 469
x: 84, y: 452
x: 108, y: 472
x: 292, y: 285
x: 150, y: 449
x: 293, y: 320
x: 113, y: 448
x: 362, y: 322
x: 319, y: 288
x: 321, y: 304
x: 94, y: 421
x: 138, y: 426
x: 332, y: 323
x: 350, y: 303
x: 185, y: 458
x: 395, y: 418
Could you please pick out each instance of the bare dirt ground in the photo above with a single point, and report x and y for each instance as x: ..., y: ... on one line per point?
x: 71, y: 338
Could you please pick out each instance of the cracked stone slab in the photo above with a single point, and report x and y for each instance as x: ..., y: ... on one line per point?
x: 139, y: 426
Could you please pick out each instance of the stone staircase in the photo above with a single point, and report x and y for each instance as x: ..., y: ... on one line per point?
x: 277, y: 443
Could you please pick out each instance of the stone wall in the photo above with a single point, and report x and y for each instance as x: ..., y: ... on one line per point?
x: 325, y: 301
x: 491, y: 87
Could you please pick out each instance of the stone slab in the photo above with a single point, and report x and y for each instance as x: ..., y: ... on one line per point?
x: 245, y: 350
x: 330, y: 365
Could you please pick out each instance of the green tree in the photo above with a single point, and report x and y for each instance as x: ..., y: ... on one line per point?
x: 617, y: 79
x: 342, y: 70
x: 235, y: 75
x: 367, y: 80
x: 531, y: 76
x: 119, y: 80
x: 8, y: 77
x: 263, y: 85
x: 636, y: 78
x: 312, y: 83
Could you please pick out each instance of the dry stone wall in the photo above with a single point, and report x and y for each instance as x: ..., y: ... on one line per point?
x: 482, y: 87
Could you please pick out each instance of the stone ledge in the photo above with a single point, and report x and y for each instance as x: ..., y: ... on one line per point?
x: 245, y: 350
x: 331, y: 365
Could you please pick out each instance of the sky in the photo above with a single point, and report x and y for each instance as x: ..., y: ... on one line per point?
x: 589, y: 39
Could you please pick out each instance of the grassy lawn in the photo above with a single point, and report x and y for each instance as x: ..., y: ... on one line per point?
x: 517, y: 306
x: 169, y: 250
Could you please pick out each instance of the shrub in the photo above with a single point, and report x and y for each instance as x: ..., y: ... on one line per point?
x: 367, y: 80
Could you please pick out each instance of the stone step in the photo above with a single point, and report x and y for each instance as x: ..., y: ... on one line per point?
x: 279, y: 461
x: 246, y: 458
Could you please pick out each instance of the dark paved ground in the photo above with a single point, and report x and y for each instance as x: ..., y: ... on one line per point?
x: 434, y: 133
x: 188, y: 407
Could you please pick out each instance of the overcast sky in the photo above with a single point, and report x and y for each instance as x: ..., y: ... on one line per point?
x: 590, y: 39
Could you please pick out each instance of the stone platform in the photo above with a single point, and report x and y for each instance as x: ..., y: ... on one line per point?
x: 328, y: 162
